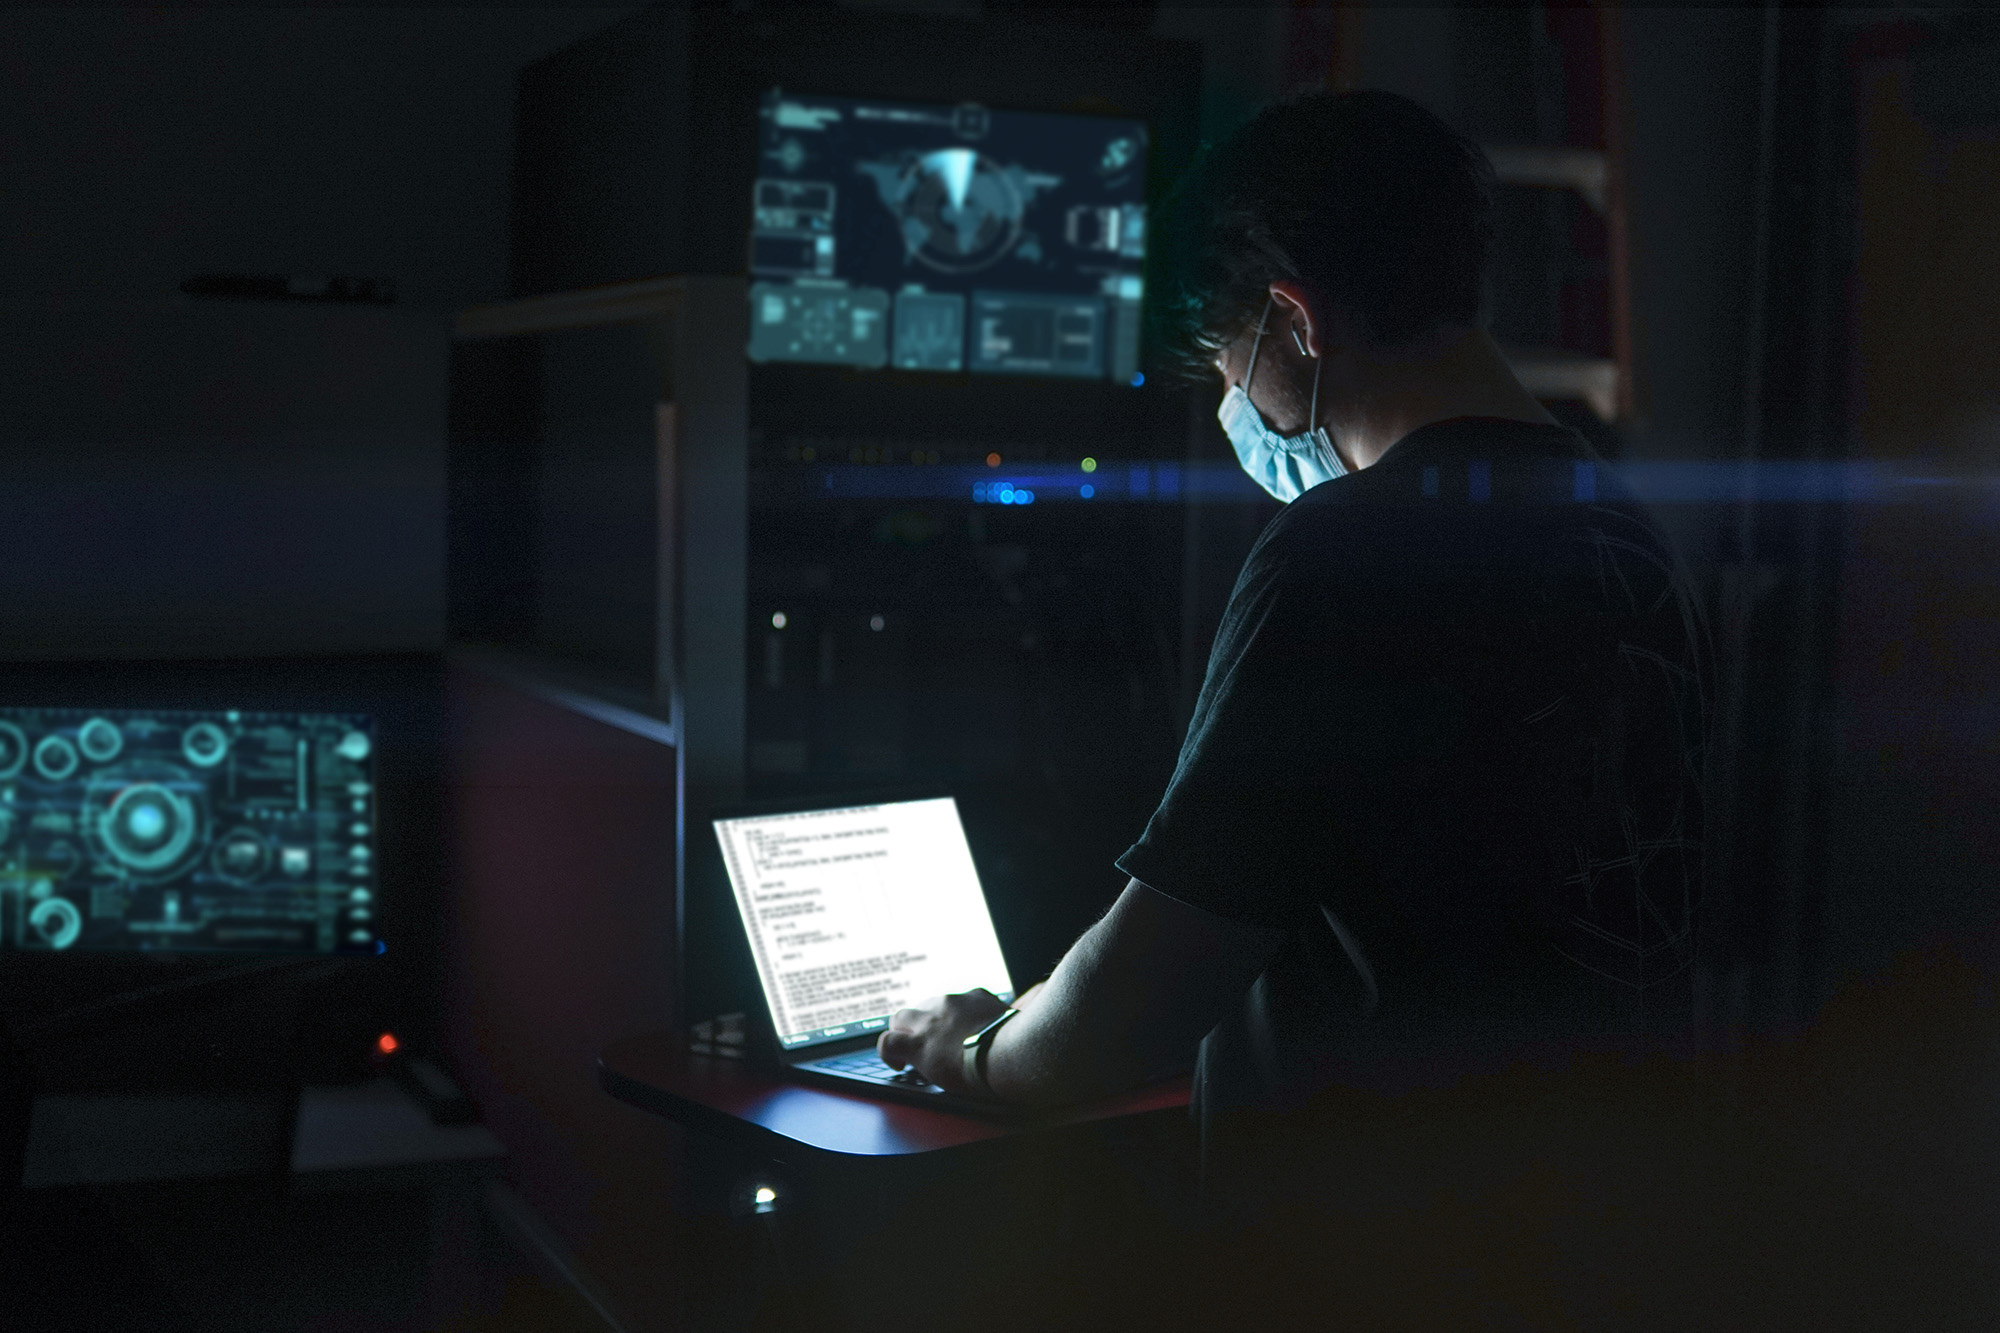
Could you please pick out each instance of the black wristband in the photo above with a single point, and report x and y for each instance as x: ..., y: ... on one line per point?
x: 975, y: 1048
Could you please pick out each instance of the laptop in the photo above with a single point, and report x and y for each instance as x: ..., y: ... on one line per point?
x: 852, y: 913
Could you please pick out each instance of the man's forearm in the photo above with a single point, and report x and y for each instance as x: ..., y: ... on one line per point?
x: 1055, y: 1052
x: 1129, y: 1001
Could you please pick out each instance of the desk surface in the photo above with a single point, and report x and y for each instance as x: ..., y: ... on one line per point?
x: 782, y: 1116
x: 377, y: 1124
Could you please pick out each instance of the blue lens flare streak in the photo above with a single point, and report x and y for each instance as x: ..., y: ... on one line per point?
x: 1785, y: 481
x: 1662, y: 482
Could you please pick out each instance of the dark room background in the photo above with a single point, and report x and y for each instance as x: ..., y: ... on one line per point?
x: 205, y: 478
x: 1812, y: 206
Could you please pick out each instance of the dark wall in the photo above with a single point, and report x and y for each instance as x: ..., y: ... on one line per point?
x: 219, y: 480
x: 1692, y: 98
x: 205, y: 478
x: 1916, y: 844
x: 561, y: 942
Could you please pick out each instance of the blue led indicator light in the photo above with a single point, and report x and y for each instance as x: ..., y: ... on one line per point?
x: 1001, y: 493
x: 1086, y: 491
x: 380, y: 947
x: 1138, y: 378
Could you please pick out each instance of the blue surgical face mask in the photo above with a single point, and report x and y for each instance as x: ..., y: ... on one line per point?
x: 1285, y: 465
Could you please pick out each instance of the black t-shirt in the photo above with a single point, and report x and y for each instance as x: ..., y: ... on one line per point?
x: 1451, y: 741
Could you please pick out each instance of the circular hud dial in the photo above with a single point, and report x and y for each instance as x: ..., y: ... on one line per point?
x: 241, y: 856
x: 204, y: 744
x: 957, y: 209
x: 100, y: 741
x: 56, y: 922
x: 55, y: 758
x: 13, y: 749
x: 147, y: 821
x: 148, y: 827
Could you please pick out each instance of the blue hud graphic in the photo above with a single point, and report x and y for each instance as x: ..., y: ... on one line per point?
x: 182, y: 830
x: 947, y: 238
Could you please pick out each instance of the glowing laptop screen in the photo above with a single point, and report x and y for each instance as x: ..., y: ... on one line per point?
x: 855, y: 913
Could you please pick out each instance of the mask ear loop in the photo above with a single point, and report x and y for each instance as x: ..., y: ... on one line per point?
x: 1312, y: 422
x: 1319, y: 364
x: 1251, y: 369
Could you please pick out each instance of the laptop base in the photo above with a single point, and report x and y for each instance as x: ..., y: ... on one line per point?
x: 861, y: 1075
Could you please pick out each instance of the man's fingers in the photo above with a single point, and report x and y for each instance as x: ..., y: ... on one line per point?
x: 909, y: 1028
x: 898, y: 1046
x: 895, y: 1048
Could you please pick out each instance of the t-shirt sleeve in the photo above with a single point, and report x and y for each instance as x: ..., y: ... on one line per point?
x: 1308, y: 722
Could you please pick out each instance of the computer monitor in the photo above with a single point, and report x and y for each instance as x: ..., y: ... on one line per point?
x: 947, y: 238
x: 224, y: 830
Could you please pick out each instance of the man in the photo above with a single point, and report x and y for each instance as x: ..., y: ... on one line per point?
x: 1438, y: 806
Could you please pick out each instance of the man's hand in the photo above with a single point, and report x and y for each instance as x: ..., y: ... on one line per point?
x: 932, y: 1036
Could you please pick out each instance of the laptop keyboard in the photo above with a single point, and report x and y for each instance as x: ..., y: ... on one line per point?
x: 866, y: 1064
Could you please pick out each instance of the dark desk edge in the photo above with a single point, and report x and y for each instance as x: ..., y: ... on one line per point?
x: 791, y: 1152
x: 705, y: 1119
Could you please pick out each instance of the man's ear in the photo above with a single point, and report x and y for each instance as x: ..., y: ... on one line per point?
x: 1319, y: 324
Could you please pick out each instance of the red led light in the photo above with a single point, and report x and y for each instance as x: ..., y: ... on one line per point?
x: 387, y: 1043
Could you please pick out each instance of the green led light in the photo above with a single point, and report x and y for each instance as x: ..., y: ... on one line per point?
x: 1090, y: 465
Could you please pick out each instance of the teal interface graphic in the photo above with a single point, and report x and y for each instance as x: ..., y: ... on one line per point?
x: 167, y: 830
x: 947, y: 238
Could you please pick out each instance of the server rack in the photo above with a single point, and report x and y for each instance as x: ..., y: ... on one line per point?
x: 799, y: 569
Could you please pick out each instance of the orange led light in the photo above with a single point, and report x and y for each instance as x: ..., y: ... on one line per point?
x: 993, y: 460
x: 387, y: 1043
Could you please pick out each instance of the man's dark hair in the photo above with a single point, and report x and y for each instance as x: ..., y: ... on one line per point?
x: 1365, y: 198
